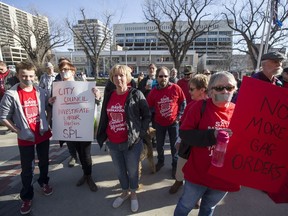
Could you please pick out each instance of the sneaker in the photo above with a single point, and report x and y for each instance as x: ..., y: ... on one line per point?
x: 47, y: 190
x: 26, y: 207
x: 134, y: 205
x: 72, y: 162
x: 119, y: 201
x: 159, y: 166
x: 175, y: 187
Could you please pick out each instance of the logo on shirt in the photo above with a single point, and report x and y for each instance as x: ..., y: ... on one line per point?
x: 165, y: 106
x: 30, y: 108
x: 117, y: 120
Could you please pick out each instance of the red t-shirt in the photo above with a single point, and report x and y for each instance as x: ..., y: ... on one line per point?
x: 30, y: 107
x: 198, y: 164
x: 117, y: 130
x: 185, y: 88
x: 166, y: 103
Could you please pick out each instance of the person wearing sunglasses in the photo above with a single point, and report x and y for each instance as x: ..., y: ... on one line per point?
x: 284, y: 77
x: 199, y: 131
x: 183, y: 83
x: 168, y: 102
x: 271, y: 64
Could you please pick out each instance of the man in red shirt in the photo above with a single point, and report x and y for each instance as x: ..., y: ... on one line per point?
x: 168, y: 102
x: 183, y: 83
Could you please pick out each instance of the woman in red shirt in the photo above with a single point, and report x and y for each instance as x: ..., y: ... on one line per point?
x: 200, y: 133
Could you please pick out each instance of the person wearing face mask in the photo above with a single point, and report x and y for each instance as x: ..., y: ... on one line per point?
x: 83, y: 148
x: 22, y: 110
x: 200, y: 132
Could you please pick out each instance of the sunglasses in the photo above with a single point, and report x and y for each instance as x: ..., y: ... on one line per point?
x: 192, y: 89
x: 187, y: 74
x: 221, y: 88
x: 161, y: 76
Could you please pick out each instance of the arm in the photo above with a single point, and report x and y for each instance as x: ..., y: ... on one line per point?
x: 199, y: 138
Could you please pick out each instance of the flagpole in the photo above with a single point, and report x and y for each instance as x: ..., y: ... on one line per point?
x: 269, y: 27
x: 262, y: 38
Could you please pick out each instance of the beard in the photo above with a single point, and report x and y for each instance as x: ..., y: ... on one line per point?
x: 163, y: 84
x: 278, y: 71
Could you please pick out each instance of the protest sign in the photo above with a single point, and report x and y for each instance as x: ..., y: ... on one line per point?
x: 257, y: 152
x: 73, y: 111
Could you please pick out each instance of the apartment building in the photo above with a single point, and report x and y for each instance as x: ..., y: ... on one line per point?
x: 96, y: 30
x: 10, y: 50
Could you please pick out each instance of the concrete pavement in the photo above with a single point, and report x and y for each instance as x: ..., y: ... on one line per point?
x: 69, y: 200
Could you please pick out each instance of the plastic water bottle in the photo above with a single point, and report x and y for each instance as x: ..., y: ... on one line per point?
x: 220, y: 149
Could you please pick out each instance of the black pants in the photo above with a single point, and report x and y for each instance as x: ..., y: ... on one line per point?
x: 27, y: 157
x: 84, y: 153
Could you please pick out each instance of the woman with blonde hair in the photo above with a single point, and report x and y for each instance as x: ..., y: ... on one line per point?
x: 124, y: 120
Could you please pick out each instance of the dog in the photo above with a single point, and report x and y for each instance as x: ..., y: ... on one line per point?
x: 147, y: 151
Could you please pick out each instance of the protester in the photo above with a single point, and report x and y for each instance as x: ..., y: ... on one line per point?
x: 271, y: 64
x: 123, y: 124
x: 140, y: 77
x: 173, y: 75
x: 83, y: 148
x: 183, y: 83
x: 149, y: 81
x: 7, y: 80
x: 22, y: 110
x: 198, y: 91
x: 48, y: 78
x: 284, y: 77
x: 206, y: 72
x: 168, y: 102
x: 199, y: 130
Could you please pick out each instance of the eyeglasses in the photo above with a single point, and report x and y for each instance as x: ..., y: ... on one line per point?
x: 187, y: 74
x: 161, y: 76
x: 221, y: 88
x: 192, y: 89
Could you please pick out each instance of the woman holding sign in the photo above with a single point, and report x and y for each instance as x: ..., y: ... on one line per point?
x: 200, y: 132
x: 124, y: 120
x: 83, y: 148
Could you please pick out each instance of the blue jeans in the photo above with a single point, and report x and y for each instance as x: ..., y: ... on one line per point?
x: 192, y: 193
x: 173, y: 132
x: 27, y: 157
x: 126, y: 163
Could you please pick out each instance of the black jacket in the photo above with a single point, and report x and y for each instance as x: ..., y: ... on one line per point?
x: 137, y: 117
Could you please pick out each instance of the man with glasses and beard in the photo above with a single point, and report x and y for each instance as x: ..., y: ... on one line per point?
x: 168, y: 102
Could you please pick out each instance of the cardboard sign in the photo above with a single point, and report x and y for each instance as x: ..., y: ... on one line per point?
x: 73, y: 111
x: 257, y: 153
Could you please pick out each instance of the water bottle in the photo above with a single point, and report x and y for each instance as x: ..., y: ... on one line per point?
x: 220, y: 148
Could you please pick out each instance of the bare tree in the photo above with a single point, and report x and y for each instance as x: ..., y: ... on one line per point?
x: 93, y: 37
x: 36, y: 38
x: 184, y: 18
x: 248, y: 20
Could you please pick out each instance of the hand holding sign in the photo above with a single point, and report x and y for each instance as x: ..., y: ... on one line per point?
x: 257, y: 152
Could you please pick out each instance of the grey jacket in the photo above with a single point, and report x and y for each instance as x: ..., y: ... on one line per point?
x: 137, y: 117
x: 10, y: 108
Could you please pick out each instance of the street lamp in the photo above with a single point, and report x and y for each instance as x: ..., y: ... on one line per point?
x: 71, y: 50
x: 126, y: 49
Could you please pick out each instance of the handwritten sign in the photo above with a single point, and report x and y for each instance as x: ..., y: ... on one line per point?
x: 73, y: 111
x: 257, y: 152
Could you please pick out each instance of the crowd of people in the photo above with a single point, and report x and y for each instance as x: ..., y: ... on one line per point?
x: 190, y: 109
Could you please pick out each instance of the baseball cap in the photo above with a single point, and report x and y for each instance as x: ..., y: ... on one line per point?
x: 49, y: 65
x: 273, y: 56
